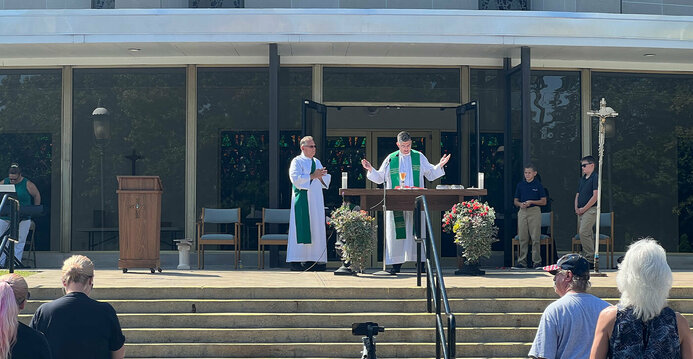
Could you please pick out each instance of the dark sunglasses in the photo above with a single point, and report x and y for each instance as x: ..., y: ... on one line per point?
x: 313, y: 146
x: 585, y: 165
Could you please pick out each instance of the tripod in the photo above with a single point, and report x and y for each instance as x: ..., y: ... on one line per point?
x: 368, y: 347
x: 369, y: 329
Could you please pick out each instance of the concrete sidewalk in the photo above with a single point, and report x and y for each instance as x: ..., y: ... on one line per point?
x: 142, y: 278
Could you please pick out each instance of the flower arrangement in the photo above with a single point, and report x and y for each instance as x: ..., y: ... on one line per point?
x: 356, y: 231
x: 473, y: 224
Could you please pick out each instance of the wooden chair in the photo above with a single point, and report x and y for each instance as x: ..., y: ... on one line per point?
x: 271, y: 216
x: 31, y: 255
x: 218, y: 216
x: 605, y: 220
x: 546, y: 239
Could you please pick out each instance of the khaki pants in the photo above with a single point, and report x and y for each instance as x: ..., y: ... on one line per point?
x: 586, y: 230
x: 529, y: 226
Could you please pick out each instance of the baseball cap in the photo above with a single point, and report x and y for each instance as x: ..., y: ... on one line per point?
x: 572, y: 262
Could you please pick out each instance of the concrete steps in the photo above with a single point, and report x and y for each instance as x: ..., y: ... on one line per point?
x: 292, y: 350
x: 194, y: 322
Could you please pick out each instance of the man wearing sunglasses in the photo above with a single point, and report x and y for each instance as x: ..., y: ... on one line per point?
x: 307, y: 248
x: 567, y: 325
x: 585, y: 209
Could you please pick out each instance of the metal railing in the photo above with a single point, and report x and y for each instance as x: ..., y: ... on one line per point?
x: 436, y: 295
x: 12, y: 236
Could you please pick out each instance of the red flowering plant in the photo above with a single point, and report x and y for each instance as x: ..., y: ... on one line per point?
x: 356, y: 231
x: 473, y: 224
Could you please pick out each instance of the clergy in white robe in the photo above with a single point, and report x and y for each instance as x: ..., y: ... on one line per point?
x: 307, y: 242
x: 400, y: 246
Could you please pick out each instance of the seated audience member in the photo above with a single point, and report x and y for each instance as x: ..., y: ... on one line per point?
x: 29, y: 342
x: 75, y: 325
x: 642, y: 325
x: 567, y: 325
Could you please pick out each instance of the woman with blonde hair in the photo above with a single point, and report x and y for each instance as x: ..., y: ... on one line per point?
x: 642, y: 325
x: 77, y: 326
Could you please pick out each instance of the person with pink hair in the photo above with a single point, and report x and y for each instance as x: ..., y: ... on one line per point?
x: 8, y: 319
x: 29, y: 343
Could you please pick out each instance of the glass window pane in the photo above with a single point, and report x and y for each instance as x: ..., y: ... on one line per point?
x: 503, y: 5
x: 353, y: 84
x: 646, y: 170
x: 30, y: 136
x: 147, y: 137
x: 232, y: 135
x: 555, y: 144
x: 233, y: 138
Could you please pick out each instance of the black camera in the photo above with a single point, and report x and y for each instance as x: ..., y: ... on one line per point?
x: 367, y: 328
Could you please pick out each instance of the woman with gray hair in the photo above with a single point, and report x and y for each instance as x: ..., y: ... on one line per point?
x: 75, y: 325
x: 642, y: 325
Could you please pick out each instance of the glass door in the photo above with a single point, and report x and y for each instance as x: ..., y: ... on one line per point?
x: 343, y: 152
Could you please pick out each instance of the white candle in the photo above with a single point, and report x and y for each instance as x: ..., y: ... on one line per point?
x: 345, y: 177
x: 480, y: 180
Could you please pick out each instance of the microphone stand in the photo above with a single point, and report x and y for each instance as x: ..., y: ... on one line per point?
x: 384, y: 272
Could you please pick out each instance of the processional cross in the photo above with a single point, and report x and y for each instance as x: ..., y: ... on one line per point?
x: 603, y: 113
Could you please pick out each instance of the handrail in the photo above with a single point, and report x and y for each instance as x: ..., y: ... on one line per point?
x: 13, y: 233
x: 436, y: 295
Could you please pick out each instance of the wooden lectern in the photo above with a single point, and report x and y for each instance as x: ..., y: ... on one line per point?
x: 139, y: 220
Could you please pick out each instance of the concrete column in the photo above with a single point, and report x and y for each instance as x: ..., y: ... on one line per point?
x: 66, y: 162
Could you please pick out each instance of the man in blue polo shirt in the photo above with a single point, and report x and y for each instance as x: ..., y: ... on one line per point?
x: 529, y: 195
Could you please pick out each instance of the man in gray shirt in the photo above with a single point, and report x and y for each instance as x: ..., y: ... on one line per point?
x: 566, y: 328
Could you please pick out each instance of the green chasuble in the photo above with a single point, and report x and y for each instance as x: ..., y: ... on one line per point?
x: 400, y: 227
x: 301, y: 212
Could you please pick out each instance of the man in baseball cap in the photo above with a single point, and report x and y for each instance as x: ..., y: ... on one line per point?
x: 575, y: 263
x: 567, y: 325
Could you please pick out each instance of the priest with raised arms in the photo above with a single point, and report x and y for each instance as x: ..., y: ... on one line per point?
x: 307, y: 247
x: 412, y: 166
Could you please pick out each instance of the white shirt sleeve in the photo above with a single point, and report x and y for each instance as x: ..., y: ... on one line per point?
x: 430, y: 171
x: 326, y: 178
x: 299, y: 176
x: 378, y: 176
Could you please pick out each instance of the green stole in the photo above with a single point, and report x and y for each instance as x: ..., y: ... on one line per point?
x: 301, y: 212
x: 400, y: 227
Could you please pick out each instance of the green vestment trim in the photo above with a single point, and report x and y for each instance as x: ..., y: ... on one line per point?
x: 301, y: 212
x: 400, y: 226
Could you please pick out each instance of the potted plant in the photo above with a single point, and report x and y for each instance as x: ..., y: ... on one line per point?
x: 356, y: 233
x: 473, y: 224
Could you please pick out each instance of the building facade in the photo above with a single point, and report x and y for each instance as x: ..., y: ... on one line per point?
x: 211, y: 100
